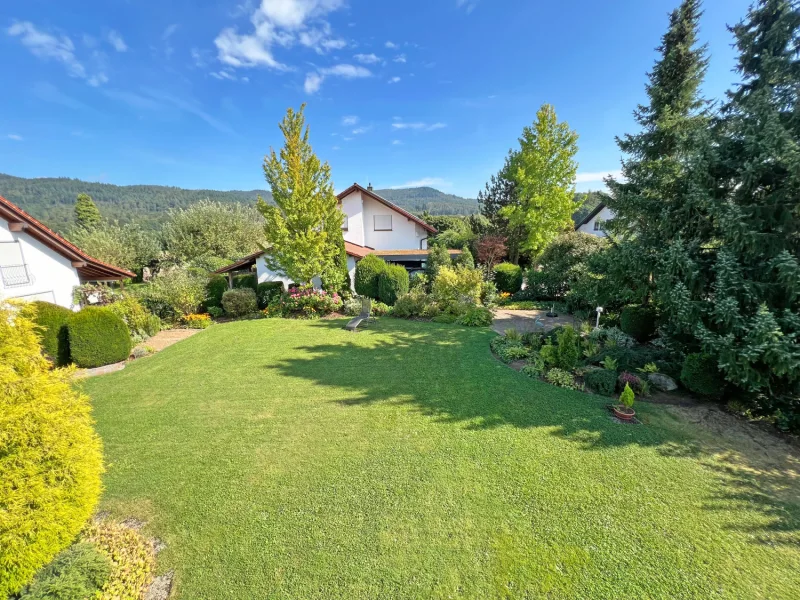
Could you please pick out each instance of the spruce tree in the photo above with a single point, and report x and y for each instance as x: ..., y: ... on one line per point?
x: 655, y: 203
x: 87, y: 214
x: 741, y: 296
x: 501, y: 191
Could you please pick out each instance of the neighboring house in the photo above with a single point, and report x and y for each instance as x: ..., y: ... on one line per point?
x: 38, y: 264
x: 593, y: 222
x: 372, y: 225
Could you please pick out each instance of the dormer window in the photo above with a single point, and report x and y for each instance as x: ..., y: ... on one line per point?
x: 344, y: 224
x: 383, y: 222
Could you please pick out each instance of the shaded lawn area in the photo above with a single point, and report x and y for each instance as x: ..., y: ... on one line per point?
x: 291, y: 459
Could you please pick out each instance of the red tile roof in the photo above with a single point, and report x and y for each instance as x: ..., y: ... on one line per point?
x: 91, y: 269
x: 385, y: 202
x: 357, y: 251
x: 354, y: 250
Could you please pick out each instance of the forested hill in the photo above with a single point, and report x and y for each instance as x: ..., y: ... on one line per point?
x: 51, y: 200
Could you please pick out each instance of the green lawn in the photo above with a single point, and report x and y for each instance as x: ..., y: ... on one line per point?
x: 291, y: 459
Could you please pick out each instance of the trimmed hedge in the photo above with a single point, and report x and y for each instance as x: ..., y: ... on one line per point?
x: 701, y: 375
x: 392, y: 284
x: 246, y: 281
x: 50, y: 456
x: 368, y: 272
x: 267, y: 292
x: 98, y: 337
x: 52, y: 319
x: 239, y: 302
x: 508, y: 278
x: 639, y: 322
x: 77, y: 573
x: 216, y: 286
x: 602, y: 381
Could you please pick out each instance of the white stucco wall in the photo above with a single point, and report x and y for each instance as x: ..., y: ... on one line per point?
x: 351, y: 269
x: 52, y: 276
x: 265, y: 274
x: 405, y: 233
x: 604, y: 215
x: 353, y: 208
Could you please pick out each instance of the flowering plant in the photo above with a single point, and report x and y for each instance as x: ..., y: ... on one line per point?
x: 200, y: 321
x: 310, y: 303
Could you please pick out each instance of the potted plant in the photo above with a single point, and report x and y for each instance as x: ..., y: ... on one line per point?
x: 624, y: 410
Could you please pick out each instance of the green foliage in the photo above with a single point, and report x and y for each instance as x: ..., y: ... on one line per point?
x: 77, y: 573
x: 418, y: 280
x: 216, y: 286
x: 304, y: 226
x: 610, y: 364
x: 50, y: 457
x: 508, y: 277
x: 478, y: 316
x: 612, y: 336
x: 465, y: 259
x: 52, y: 322
x: 239, y: 302
x: 454, y: 232
x: 141, y: 323
x: 173, y: 293
x: 488, y: 293
x: 535, y: 367
x: 544, y: 170
x: 586, y: 203
x: 533, y: 339
x: 438, y: 257
x: 245, y: 280
x: 639, y: 322
x: 549, y: 353
x: 216, y: 311
x: 415, y: 304
x: 701, y: 375
x: 379, y: 309
x: 336, y: 277
x: 129, y: 246
x: 447, y: 318
x: 87, y: 215
x: 602, y: 381
x: 627, y: 397
x: 561, y: 378
x: 132, y: 559
x: 456, y: 289
x: 368, y: 274
x: 650, y: 367
x: 392, y: 283
x: 209, y: 232
x: 267, y: 292
x: 504, y: 238
x: 568, y: 350
x: 511, y: 352
x: 97, y: 337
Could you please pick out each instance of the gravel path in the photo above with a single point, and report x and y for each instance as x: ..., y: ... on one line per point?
x: 524, y: 320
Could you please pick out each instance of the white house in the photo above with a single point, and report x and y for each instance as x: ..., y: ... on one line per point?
x: 593, y: 222
x: 38, y: 264
x: 372, y: 225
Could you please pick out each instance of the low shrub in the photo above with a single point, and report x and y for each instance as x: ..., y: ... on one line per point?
x: 216, y: 311
x: 602, y: 381
x: 701, y: 375
x: 447, y: 318
x: 379, y: 309
x: 239, y: 302
x: 639, y: 322
x: 51, y: 320
x: 629, y: 379
x: 508, y: 278
x: 367, y: 277
x: 549, y: 353
x: 173, y: 293
x: 629, y: 359
x: 50, y: 456
x: 352, y: 307
x: 561, y: 378
x: 132, y: 560
x: 202, y: 321
x: 568, y: 351
x: 416, y: 303
x: 418, y: 280
x: 512, y: 352
x: 97, y: 337
x: 306, y: 302
x: 138, y: 319
x: 217, y: 285
x: 627, y: 397
x: 612, y: 336
x: 77, y: 573
x: 392, y: 283
x: 245, y: 281
x: 535, y: 366
x: 267, y: 292
x: 141, y: 351
x: 478, y: 316
x: 533, y: 339
x: 488, y: 293
x: 455, y: 289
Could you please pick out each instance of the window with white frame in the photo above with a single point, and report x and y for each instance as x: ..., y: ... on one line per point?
x: 383, y: 222
x: 345, y: 227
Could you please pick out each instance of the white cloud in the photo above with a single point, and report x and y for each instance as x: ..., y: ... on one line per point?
x: 349, y: 121
x: 360, y: 130
x: 200, y: 57
x: 397, y: 143
x: 598, y: 176
x: 97, y: 80
x: 468, y: 5
x: 15, y: 137
x: 224, y: 75
x: 116, y: 41
x: 424, y: 182
x: 391, y: 45
x: 48, y: 47
x: 314, y: 80
x: 348, y: 139
x: 394, y: 80
x: 280, y: 23
x: 169, y: 31
x: 418, y: 126
x: 400, y: 58
x: 367, y: 59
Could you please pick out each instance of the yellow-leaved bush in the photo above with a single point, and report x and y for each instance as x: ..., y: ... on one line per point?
x: 50, y: 455
x: 132, y: 559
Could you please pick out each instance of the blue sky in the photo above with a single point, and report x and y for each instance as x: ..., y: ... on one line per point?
x: 421, y: 92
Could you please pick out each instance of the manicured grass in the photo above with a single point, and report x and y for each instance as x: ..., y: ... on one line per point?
x: 290, y: 459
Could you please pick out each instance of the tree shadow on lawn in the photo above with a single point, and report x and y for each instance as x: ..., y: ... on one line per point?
x: 448, y: 373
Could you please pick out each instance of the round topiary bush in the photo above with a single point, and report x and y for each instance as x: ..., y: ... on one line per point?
x: 52, y: 321
x: 639, y: 322
x: 50, y: 456
x: 392, y: 284
x: 701, y: 375
x: 508, y: 278
x: 368, y: 273
x: 98, y: 337
x: 239, y: 302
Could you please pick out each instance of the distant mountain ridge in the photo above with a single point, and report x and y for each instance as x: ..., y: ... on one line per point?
x: 51, y: 199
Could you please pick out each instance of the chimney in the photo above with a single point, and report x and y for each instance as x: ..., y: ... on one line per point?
x: 369, y: 187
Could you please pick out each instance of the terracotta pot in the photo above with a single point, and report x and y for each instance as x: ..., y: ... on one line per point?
x: 623, y: 413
